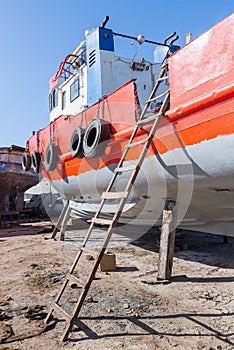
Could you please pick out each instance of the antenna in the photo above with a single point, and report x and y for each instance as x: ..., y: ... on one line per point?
x: 105, y: 21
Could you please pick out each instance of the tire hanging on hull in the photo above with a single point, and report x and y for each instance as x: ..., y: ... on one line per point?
x: 51, y: 157
x: 36, y: 161
x: 76, y: 143
x: 26, y: 161
x: 96, y: 138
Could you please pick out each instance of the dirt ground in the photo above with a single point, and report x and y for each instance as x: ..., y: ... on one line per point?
x: 126, y: 308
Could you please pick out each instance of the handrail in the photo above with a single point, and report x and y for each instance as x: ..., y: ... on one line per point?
x: 61, y: 66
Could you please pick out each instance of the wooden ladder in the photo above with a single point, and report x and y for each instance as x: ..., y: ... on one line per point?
x: 109, y: 194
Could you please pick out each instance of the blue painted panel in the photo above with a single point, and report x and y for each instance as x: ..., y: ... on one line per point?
x: 93, y: 68
x: 99, y: 43
x: 106, y: 41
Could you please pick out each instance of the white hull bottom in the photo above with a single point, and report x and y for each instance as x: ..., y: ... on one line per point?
x: 199, y: 178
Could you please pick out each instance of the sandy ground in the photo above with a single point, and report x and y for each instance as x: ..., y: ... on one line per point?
x: 126, y: 308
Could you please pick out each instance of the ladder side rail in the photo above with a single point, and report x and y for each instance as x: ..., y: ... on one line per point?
x: 141, y: 157
x: 146, y: 147
x: 109, y: 233
x: 158, y: 96
x: 153, y: 130
x: 163, y: 71
x: 72, y: 268
x: 158, y: 82
x: 121, y: 160
x: 113, y: 222
x: 56, y: 300
x: 84, y: 293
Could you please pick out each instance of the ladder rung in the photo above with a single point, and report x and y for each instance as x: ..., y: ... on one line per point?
x: 130, y: 145
x: 163, y: 78
x: 114, y: 195
x: 102, y: 221
x: 157, y: 97
x: 62, y: 311
x: 89, y: 251
x: 75, y: 279
x: 126, y: 168
x: 149, y: 119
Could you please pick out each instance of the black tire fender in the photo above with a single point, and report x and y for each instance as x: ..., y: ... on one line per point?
x: 26, y: 161
x: 96, y: 138
x: 36, y: 161
x: 76, y: 143
x: 51, y: 157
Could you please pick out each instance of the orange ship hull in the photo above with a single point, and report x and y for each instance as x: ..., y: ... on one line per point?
x: 191, y: 157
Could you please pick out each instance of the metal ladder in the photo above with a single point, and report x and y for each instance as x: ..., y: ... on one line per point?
x: 112, y: 195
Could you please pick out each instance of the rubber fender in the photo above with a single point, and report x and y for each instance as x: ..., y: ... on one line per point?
x: 76, y: 143
x: 96, y: 138
x: 51, y: 157
x: 26, y: 161
x: 36, y: 161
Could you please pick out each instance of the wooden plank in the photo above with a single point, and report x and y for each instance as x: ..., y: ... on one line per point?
x: 114, y: 195
x: 62, y: 312
x: 157, y: 97
x: 75, y: 279
x: 64, y: 223
x: 167, y: 242
x: 126, y: 168
x: 134, y: 144
x: 102, y: 221
x: 86, y: 250
x: 150, y: 119
x: 163, y: 78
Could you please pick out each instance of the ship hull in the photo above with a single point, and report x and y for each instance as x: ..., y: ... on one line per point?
x: 200, y: 183
x: 13, y: 180
x: 190, y: 159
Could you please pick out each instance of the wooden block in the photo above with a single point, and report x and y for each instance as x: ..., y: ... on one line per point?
x: 108, y: 262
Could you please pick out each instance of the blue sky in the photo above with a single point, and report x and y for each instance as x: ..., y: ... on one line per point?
x: 37, y: 34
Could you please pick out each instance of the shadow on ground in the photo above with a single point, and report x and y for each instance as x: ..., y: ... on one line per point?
x: 209, y: 249
x: 146, y: 325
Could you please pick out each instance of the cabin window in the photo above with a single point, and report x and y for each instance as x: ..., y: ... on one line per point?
x: 50, y: 102
x: 74, y: 90
x: 63, y: 99
x: 54, y: 98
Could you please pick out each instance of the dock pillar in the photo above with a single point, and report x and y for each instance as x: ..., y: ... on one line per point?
x: 167, y: 243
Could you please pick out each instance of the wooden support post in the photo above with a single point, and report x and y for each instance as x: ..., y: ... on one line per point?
x: 64, y: 224
x: 167, y: 243
x: 60, y: 220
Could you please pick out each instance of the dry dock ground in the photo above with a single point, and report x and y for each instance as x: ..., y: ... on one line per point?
x: 126, y: 308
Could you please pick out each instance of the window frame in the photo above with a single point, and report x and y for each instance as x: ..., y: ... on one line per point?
x: 74, y: 94
x: 54, y: 98
x: 50, y: 102
x: 64, y: 99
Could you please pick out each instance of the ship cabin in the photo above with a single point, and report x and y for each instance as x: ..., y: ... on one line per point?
x: 94, y: 70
